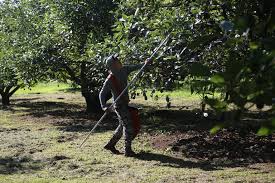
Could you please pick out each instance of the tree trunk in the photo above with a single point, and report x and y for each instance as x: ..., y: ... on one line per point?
x: 92, y: 102
x: 5, y: 99
x: 91, y: 98
x: 7, y: 92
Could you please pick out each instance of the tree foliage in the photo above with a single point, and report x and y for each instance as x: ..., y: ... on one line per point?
x: 64, y: 40
x: 209, y: 37
x: 18, y: 51
x: 216, y: 46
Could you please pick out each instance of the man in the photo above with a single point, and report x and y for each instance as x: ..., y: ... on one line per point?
x: 116, y: 82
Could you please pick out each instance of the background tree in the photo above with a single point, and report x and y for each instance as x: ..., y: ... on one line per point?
x: 217, y: 46
x: 61, y: 40
x: 17, y: 48
x: 223, y: 49
x: 73, y: 43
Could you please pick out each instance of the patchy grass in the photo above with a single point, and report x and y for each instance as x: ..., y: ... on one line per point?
x: 40, y: 135
x: 178, y: 93
x: 179, y: 98
x: 54, y: 87
x: 50, y: 87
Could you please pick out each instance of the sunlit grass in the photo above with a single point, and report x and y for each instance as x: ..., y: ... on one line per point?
x: 184, y: 93
x: 50, y: 87
x: 178, y: 97
x: 54, y: 87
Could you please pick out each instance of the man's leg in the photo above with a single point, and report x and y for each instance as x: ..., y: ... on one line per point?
x: 129, y: 137
x: 125, y: 120
x: 115, y: 138
x: 135, y: 120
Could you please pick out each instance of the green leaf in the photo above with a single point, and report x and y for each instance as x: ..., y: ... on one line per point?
x: 263, y: 131
x: 216, y: 104
x: 273, y: 122
x: 170, y: 58
x: 201, y: 40
x: 198, y: 69
x: 254, y: 95
x: 217, y: 79
x: 253, y: 45
x: 215, y: 129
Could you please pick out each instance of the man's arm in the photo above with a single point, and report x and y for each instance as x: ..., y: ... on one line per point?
x: 131, y: 68
x: 104, y: 92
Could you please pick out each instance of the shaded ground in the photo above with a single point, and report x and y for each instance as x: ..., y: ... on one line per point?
x: 188, y: 133
x: 12, y: 165
x: 183, y: 131
x: 229, y: 147
x: 39, y: 138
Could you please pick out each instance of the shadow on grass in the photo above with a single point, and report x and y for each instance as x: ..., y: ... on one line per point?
x: 55, y: 109
x: 87, y: 125
x: 14, y: 102
x: 11, y: 165
x: 73, y: 118
x: 70, y: 90
x: 240, y: 143
x: 165, y: 120
x: 20, y: 100
x: 154, y: 121
x: 69, y: 117
x: 181, y: 163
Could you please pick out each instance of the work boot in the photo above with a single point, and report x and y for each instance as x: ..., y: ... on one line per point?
x: 111, y: 148
x: 129, y: 153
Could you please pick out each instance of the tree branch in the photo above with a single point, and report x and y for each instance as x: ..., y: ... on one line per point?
x: 7, y: 89
x: 71, y: 73
x: 14, y: 90
x: 84, y: 83
x: 1, y: 89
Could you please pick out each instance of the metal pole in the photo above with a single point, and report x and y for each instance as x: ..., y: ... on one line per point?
x: 125, y: 89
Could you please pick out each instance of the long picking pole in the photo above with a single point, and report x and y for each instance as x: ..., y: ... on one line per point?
x: 125, y: 89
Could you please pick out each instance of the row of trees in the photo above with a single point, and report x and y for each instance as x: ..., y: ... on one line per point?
x: 62, y: 40
x: 221, y: 46
x: 224, y: 46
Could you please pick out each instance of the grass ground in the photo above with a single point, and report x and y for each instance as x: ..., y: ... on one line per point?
x: 40, y: 134
x: 51, y: 87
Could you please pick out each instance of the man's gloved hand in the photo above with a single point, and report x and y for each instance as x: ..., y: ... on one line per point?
x: 148, y: 61
x: 107, y: 109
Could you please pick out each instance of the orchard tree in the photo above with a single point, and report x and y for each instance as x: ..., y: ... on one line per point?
x: 221, y: 46
x: 140, y: 27
x: 9, y: 83
x: 8, y: 80
x: 240, y: 64
x: 212, y: 41
x: 75, y: 42
x: 18, y: 48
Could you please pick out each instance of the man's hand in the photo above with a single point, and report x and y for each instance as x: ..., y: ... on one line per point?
x: 148, y: 61
x: 107, y: 109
